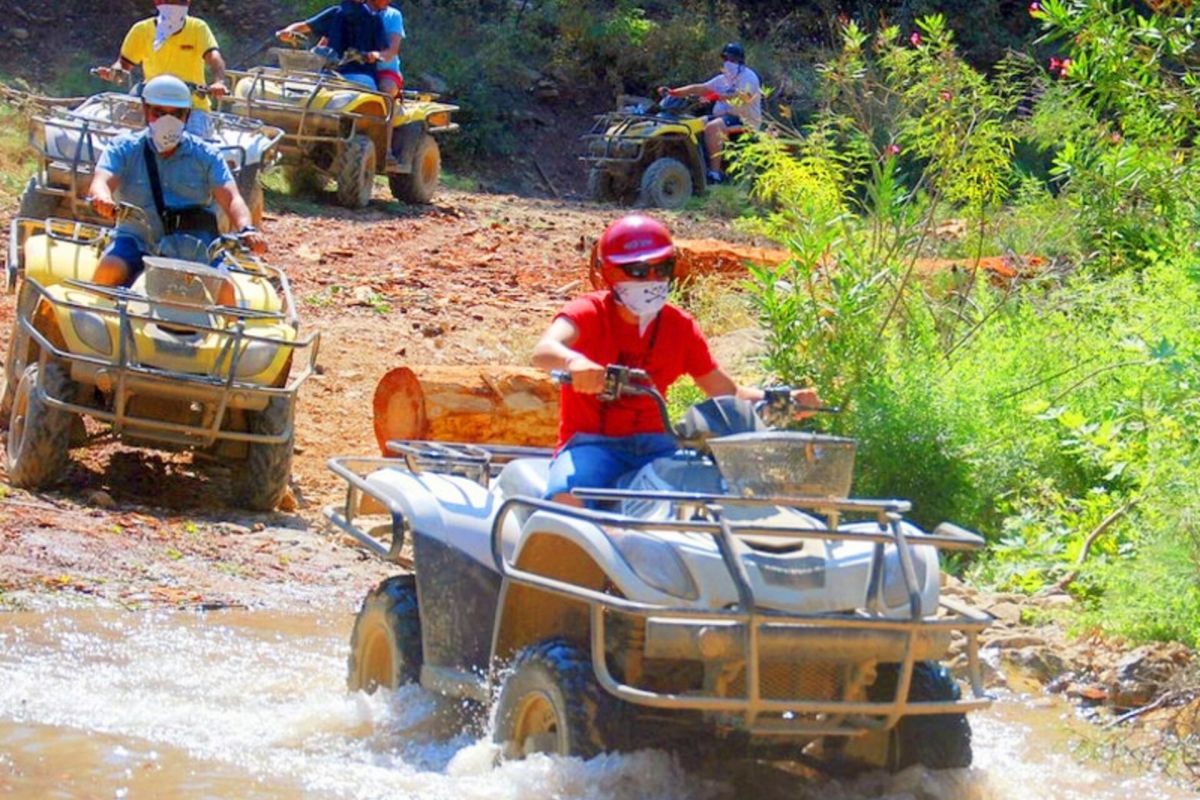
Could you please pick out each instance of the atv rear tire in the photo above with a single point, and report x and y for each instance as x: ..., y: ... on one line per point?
x: 599, y: 185
x: 419, y: 185
x: 355, y: 172
x: 39, y: 435
x: 385, y: 648
x: 935, y: 741
x: 550, y: 703
x: 264, y: 475
x: 35, y: 204
x: 252, y: 192
x: 667, y: 183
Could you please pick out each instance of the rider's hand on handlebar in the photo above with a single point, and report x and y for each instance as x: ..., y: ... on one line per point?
x: 254, y: 241
x: 803, y: 399
x: 217, y: 89
x: 103, y: 73
x: 373, y: 56
x: 665, y: 91
x: 587, y: 377
x: 104, y: 206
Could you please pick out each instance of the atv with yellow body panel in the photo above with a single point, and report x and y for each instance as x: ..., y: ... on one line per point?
x: 191, y: 356
x: 344, y: 131
x: 651, y: 153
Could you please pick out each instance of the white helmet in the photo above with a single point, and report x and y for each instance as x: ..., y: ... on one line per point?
x: 167, y: 91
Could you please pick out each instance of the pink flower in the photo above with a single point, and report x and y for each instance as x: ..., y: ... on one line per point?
x: 1035, y: 9
x: 915, y: 39
x: 945, y: 95
x: 892, y: 149
x: 1055, y: 64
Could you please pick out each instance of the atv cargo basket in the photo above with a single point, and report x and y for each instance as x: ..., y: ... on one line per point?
x: 299, y: 60
x: 790, y: 463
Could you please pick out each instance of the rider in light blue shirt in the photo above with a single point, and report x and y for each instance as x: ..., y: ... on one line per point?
x: 388, y: 74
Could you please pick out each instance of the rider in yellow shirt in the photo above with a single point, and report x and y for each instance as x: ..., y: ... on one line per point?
x: 173, y: 43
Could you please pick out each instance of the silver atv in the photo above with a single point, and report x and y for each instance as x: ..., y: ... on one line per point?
x: 67, y: 142
x: 730, y: 599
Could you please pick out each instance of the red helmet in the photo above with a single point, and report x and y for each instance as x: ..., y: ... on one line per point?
x: 632, y: 245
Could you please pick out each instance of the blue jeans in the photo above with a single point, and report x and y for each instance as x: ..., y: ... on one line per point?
x: 592, y: 461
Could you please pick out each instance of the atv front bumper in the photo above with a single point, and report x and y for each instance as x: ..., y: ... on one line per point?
x: 758, y: 640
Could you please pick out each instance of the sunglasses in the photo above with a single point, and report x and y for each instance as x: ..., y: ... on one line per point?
x: 154, y: 112
x: 642, y: 269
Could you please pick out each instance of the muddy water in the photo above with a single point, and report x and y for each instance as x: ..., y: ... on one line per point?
x: 253, y: 705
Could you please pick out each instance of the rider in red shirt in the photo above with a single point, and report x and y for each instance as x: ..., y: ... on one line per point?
x: 630, y: 324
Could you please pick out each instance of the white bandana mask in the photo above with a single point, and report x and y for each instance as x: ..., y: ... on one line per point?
x: 166, y: 132
x: 731, y: 69
x: 171, y: 19
x: 643, y: 298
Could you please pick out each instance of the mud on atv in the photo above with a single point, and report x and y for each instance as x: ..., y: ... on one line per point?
x: 341, y: 131
x: 191, y: 356
x: 730, y: 601
x: 649, y: 153
x: 67, y: 142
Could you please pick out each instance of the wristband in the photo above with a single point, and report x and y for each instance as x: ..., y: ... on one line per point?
x: 248, y: 229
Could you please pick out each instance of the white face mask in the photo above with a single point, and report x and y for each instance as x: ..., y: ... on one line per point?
x: 730, y: 68
x: 171, y: 19
x: 166, y: 132
x: 643, y: 298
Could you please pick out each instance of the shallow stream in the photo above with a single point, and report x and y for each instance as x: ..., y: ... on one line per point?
x: 253, y: 705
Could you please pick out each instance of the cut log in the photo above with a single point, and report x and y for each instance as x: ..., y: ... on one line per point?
x: 471, y: 404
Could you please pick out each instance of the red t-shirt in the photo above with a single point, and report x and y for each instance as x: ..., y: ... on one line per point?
x: 672, y: 346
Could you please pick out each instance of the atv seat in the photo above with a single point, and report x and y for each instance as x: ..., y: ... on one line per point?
x: 526, y: 477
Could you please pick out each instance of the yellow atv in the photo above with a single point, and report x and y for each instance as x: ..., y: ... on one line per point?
x: 653, y: 153
x: 343, y: 130
x: 67, y: 143
x: 191, y: 356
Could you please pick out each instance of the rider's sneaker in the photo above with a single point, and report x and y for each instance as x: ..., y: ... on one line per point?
x: 715, y: 177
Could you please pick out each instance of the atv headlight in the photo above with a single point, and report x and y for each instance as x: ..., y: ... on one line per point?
x: 339, y: 100
x: 655, y: 562
x: 92, y: 331
x: 256, y: 357
x: 439, y: 120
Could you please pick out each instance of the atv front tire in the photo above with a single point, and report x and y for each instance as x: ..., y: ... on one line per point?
x: 550, y: 703
x: 264, y: 475
x: 39, y: 435
x: 355, y: 172
x: 935, y: 741
x: 419, y: 186
x: 385, y: 648
x: 36, y: 204
x: 667, y: 183
x: 599, y: 185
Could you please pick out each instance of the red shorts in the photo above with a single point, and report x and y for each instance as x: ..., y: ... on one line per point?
x: 389, y: 75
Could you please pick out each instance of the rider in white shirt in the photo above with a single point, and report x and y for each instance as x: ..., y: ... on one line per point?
x: 738, y: 95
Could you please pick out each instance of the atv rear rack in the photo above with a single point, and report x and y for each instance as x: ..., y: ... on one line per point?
x: 748, y: 626
x: 315, y: 125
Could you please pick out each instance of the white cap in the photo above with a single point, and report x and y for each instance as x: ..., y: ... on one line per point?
x: 167, y: 91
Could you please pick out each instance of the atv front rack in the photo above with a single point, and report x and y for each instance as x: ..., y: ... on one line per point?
x: 124, y: 376
x: 754, y: 629
x: 610, y: 139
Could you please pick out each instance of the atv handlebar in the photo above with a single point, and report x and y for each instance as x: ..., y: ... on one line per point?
x: 622, y: 381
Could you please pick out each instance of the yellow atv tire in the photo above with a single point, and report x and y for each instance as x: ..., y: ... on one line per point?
x: 267, y: 468
x: 355, y: 172
x: 667, y: 183
x: 385, y: 647
x: 419, y: 185
x: 599, y: 185
x: 39, y: 434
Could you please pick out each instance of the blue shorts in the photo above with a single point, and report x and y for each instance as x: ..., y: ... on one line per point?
x: 129, y: 250
x: 596, y: 462
x: 360, y: 78
x: 732, y: 120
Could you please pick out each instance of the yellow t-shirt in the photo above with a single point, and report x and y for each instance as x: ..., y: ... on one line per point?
x: 181, y: 55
